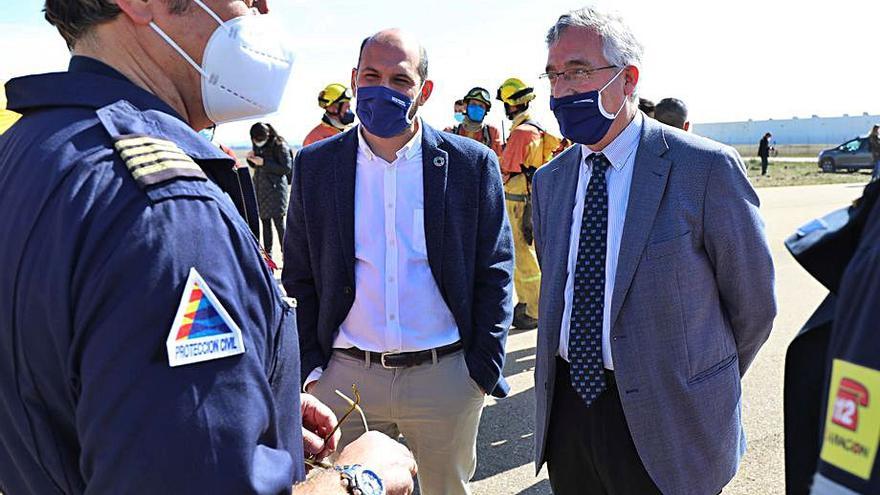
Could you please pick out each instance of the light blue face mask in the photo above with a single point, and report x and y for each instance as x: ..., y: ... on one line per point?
x: 459, y: 117
x: 208, y: 133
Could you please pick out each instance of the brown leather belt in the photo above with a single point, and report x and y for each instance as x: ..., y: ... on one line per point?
x: 393, y: 360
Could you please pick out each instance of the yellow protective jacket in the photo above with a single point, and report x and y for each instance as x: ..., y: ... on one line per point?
x: 527, y: 146
x: 486, y: 134
x: 322, y: 131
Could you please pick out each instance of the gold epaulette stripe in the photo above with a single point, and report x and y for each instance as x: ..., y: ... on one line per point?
x: 143, y: 160
x: 129, y: 153
x: 142, y: 172
x: 154, y: 161
x: 131, y: 142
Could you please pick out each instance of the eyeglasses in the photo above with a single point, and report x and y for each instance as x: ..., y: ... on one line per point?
x: 354, y: 405
x: 579, y: 74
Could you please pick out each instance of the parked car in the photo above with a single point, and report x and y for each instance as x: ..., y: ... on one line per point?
x: 850, y: 156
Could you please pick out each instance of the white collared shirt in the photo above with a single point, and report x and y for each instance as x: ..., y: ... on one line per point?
x: 397, y: 305
x: 622, y: 154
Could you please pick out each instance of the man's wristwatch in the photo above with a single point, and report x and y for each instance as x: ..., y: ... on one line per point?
x: 360, y: 481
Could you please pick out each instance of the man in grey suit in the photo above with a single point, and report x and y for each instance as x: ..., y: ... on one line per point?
x: 658, y: 283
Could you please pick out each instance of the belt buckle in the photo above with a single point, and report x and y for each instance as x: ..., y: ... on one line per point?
x: 382, y: 360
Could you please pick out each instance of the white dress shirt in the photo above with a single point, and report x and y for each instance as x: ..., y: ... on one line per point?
x: 397, y: 305
x: 622, y: 154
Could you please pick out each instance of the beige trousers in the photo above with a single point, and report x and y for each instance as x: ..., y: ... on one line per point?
x: 435, y: 406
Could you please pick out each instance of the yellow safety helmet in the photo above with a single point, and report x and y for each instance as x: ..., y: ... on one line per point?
x: 332, y: 94
x: 515, y: 92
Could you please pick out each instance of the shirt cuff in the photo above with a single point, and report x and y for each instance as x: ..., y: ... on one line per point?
x: 314, y: 376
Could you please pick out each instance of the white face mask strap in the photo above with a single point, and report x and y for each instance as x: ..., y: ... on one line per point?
x: 209, y: 11
x: 602, y: 107
x: 413, y: 106
x: 612, y: 79
x: 178, y: 49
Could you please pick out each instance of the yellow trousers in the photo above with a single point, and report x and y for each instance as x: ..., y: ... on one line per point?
x: 526, y: 274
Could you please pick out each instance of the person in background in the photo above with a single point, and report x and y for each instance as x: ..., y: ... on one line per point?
x: 874, y: 146
x: 672, y: 111
x: 458, y: 109
x: 243, y: 196
x: 528, y: 148
x: 335, y: 99
x: 647, y: 107
x: 477, y: 105
x: 271, y: 160
x: 564, y: 144
x: 764, y: 149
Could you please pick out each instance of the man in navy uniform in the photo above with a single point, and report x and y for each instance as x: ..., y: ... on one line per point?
x: 850, y: 424
x: 144, y: 344
x: 832, y: 382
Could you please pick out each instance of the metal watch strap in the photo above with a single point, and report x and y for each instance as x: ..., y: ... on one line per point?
x: 350, y: 477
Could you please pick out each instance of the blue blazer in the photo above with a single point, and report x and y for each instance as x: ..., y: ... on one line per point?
x: 470, y: 248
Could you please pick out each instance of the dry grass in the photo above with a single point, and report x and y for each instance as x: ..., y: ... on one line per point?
x: 789, y: 173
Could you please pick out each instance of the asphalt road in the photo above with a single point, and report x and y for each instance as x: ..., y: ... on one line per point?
x: 505, y: 441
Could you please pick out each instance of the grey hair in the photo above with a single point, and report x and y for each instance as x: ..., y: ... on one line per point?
x: 619, y: 46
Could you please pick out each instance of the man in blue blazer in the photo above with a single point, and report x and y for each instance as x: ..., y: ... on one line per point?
x: 400, y: 257
x: 658, y: 284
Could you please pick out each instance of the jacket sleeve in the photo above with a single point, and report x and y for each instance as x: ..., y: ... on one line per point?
x: 217, y: 426
x: 297, y: 275
x: 493, y: 284
x: 536, y: 216
x: 279, y: 162
x: 534, y: 154
x: 737, y: 246
x: 495, y: 135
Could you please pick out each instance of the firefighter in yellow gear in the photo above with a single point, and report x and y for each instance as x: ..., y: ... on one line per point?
x: 335, y: 99
x: 527, y: 149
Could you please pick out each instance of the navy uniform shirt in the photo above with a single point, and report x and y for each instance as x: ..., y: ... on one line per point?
x: 849, y: 461
x: 96, y: 253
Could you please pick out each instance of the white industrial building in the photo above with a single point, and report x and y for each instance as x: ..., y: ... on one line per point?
x: 795, y: 131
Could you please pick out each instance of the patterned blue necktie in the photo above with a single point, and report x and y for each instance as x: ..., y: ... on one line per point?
x: 588, y: 303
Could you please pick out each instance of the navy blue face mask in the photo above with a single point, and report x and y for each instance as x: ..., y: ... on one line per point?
x: 476, y: 113
x: 346, y: 118
x: 383, y: 111
x: 582, y: 117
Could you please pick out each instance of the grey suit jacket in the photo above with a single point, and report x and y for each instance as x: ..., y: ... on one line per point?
x: 693, y: 302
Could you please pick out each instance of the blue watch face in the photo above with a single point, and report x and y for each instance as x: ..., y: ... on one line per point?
x: 370, y: 483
